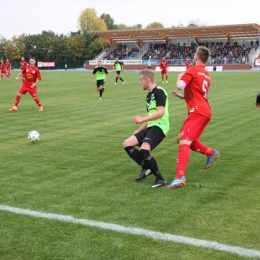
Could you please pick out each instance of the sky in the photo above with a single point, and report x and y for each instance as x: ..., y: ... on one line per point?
x: 61, y: 16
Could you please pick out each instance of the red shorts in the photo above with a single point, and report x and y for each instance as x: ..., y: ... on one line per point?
x: 193, y: 126
x: 164, y: 71
x: 25, y: 88
x: 3, y: 71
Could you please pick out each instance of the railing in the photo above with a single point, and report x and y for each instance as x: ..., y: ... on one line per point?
x: 211, y: 61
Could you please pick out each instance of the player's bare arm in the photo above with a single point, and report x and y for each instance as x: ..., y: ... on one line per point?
x: 93, y: 79
x: 19, y: 75
x: 34, y: 84
x: 141, y: 128
x: 177, y: 94
x: 158, y: 114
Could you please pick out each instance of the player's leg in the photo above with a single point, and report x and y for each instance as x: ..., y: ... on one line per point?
x: 153, y: 137
x: 120, y: 77
x: 199, y: 147
x: 184, y: 139
x: 117, y: 76
x: 100, y: 87
x: 129, y: 146
x: 162, y: 76
x: 33, y: 93
x: 17, y: 99
x: 1, y: 75
x: 166, y: 77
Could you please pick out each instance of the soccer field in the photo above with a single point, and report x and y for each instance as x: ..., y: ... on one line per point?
x: 79, y: 169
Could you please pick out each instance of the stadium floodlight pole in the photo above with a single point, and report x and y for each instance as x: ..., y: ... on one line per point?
x: 101, y: 43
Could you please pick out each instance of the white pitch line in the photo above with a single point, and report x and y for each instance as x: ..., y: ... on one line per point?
x: 137, y: 231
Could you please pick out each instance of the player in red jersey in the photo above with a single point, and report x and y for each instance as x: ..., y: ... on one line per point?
x: 3, y: 70
x: 23, y: 63
x: 195, y: 82
x: 31, y: 76
x: 164, y: 69
x: 187, y: 63
x: 8, y: 67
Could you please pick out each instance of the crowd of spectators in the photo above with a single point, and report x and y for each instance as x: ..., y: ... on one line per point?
x: 174, y: 53
x: 122, y: 52
x: 226, y: 54
x: 177, y: 53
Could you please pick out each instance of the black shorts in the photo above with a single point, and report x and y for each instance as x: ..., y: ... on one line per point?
x: 118, y: 72
x: 100, y: 82
x: 152, y: 135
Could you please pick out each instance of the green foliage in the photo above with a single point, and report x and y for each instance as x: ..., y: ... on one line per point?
x: 154, y: 25
x: 79, y: 168
x: 109, y: 21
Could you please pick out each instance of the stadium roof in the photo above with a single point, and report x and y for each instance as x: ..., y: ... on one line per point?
x: 200, y: 33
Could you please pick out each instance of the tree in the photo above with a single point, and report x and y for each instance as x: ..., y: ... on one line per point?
x: 96, y: 47
x: 137, y: 26
x: 121, y: 26
x: 196, y: 23
x: 86, y: 18
x: 109, y: 21
x: 76, y: 46
x: 154, y: 25
x: 98, y: 25
x: 2, y: 47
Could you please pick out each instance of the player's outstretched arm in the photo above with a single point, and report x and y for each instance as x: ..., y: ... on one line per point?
x: 177, y: 94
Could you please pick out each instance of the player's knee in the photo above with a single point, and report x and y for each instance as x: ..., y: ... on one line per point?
x: 126, y: 143
x: 19, y: 94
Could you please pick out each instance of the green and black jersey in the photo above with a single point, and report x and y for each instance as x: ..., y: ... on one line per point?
x: 118, y: 65
x: 157, y: 98
x: 100, y: 72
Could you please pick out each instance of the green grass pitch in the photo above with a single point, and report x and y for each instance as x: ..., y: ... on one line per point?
x: 79, y: 168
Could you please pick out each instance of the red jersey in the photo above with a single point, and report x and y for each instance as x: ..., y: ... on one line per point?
x: 2, y: 66
x: 163, y: 64
x: 197, y: 81
x: 30, y: 75
x: 23, y: 64
x: 8, y: 65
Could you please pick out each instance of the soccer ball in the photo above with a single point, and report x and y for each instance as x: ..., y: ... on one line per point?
x: 33, y: 136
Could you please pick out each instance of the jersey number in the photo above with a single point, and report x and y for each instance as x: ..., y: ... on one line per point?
x: 205, y: 91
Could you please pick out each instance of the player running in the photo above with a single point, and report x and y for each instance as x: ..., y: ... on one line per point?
x: 3, y: 70
x: 8, y: 68
x: 118, y: 67
x: 101, y: 77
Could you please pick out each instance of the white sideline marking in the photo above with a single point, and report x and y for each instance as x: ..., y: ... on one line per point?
x: 137, y: 231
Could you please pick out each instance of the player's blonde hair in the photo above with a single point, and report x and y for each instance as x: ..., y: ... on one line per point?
x: 146, y: 73
x: 203, y: 53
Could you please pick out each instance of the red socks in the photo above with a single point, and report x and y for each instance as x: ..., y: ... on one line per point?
x: 182, y: 160
x: 17, y: 100
x: 201, y: 148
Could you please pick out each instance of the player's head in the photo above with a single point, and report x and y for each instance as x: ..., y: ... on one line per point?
x: 146, y: 76
x: 7, y: 60
x: 32, y: 61
x: 116, y: 58
x: 202, y: 55
x: 99, y: 63
x: 22, y: 58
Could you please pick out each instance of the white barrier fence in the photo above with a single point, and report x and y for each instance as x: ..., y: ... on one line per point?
x: 208, y: 68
